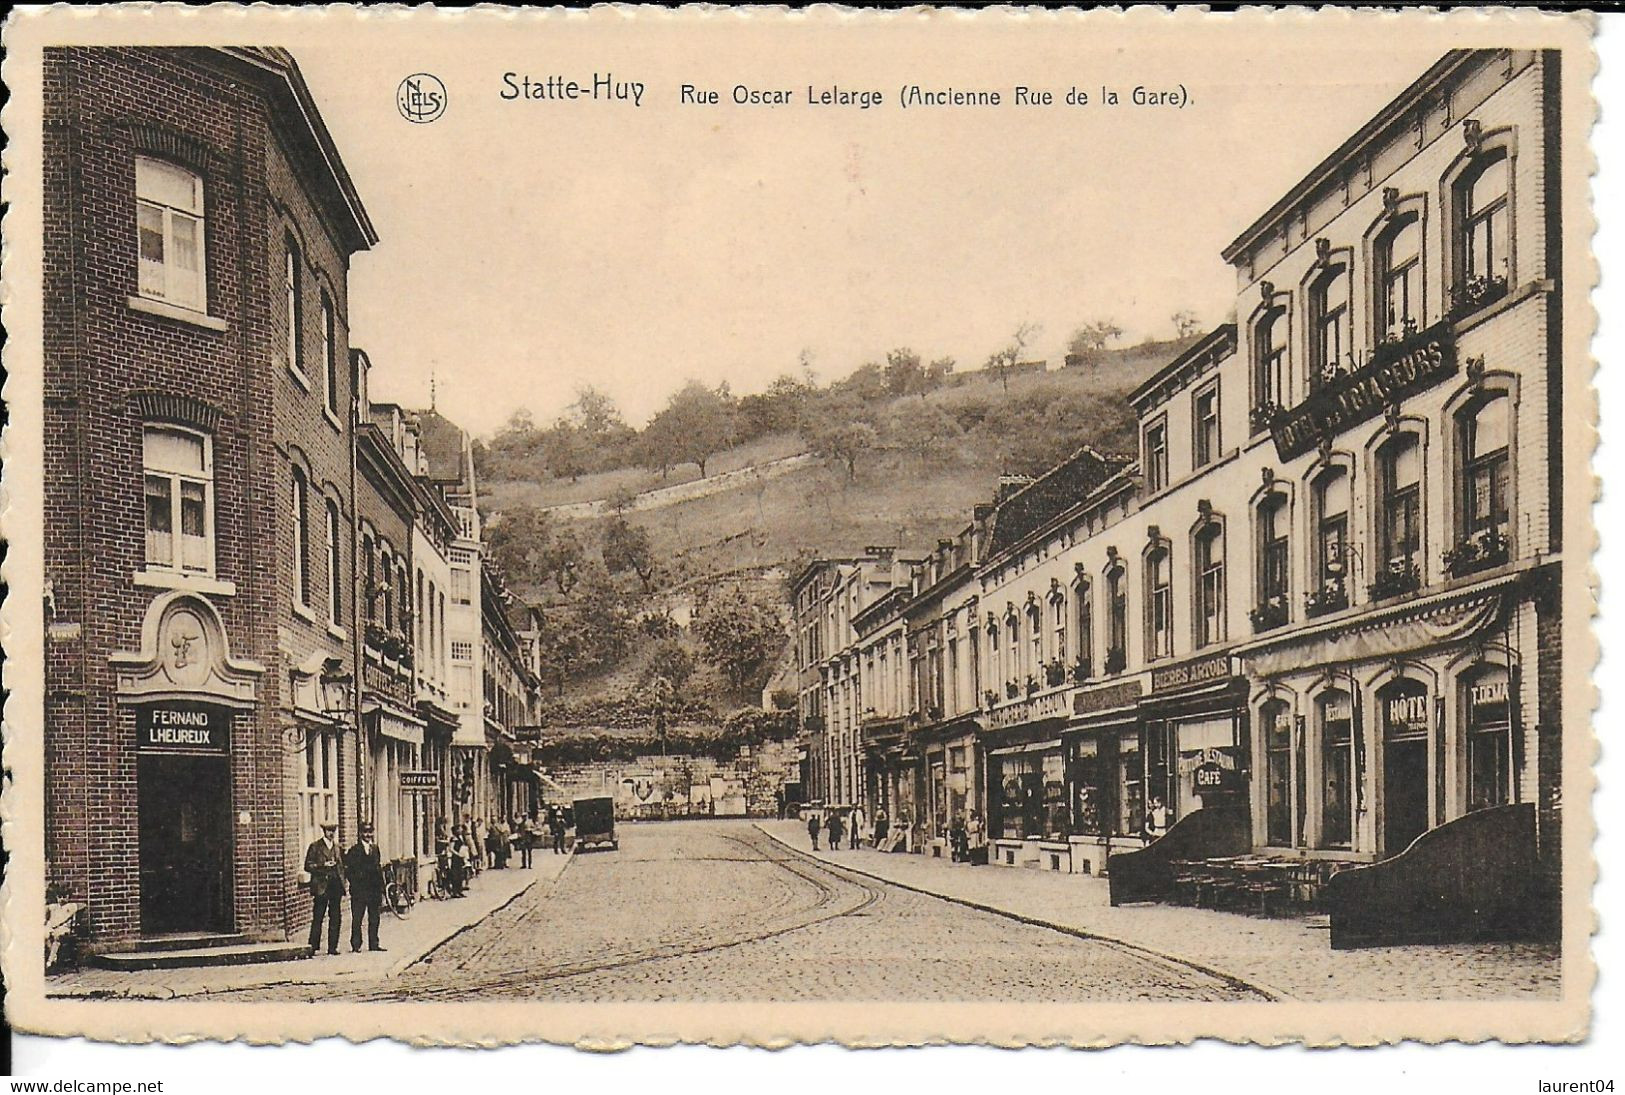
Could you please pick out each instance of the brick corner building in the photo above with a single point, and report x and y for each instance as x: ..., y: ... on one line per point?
x: 199, y: 226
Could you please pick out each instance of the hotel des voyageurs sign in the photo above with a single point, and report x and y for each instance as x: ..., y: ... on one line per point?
x: 1395, y: 372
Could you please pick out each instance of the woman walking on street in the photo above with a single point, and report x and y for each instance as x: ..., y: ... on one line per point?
x: 833, y: 828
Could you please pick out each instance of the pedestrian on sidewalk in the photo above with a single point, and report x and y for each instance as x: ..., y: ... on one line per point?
x: 859, y: 824
x: 975, y: 839
x: 833, y: 829
x: 1156, y: 818
x: 555, y: 824
x: 324, y: 866
x: 364, y: 867
x: 461, y: 855
x: 813, y: 825
x: 882, y: 825
x: 476, y: 846
x: 522, y: 836
x: 959, y: 840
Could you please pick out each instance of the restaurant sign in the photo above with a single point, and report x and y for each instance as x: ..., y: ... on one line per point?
x: 1190, y: 674
x: 1395, y: 372
x: 183, y: 728
x: 420, y: 783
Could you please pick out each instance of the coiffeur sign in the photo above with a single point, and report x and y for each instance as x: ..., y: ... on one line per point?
x: 1395, y: 372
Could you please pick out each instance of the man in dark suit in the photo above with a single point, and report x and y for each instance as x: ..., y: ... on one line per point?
x: 364, y: 868
x: 325, y: 869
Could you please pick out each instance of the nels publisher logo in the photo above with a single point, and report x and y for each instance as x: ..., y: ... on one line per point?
x: 421, y: 98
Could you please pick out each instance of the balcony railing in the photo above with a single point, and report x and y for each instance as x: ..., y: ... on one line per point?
x: 1481, y: 551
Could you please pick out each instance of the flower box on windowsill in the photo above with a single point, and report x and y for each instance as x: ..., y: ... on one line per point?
x: 1081, y: 670
x: 1323, y: 602
x: 990, y: 698
x: 1479, y: 552
x: 1397, y: 581
x: 1055, y: 673
x: 1269, y: 615
x: 1477, y: 292
x: 1012, y: 690
x: 1263, y: 416
x: 1116, y: 661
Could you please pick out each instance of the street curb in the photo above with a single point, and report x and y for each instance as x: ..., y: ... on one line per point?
x: 404, y: 964
x: 1274, y: 994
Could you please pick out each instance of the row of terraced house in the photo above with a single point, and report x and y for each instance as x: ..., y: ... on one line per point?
x: 1322, y: 599
x: 266, y: 606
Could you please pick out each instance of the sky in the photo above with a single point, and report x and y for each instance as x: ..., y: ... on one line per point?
x: 529, y: 247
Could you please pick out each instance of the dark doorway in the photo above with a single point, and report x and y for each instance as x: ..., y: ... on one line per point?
x: 1405, y: 793
x: 185, y: 844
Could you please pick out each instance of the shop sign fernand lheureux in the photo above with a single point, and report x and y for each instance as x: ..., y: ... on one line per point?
x: 183, y: 728
x: 1395, y: 372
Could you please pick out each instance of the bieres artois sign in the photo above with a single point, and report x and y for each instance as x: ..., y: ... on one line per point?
x: 1395, y: 372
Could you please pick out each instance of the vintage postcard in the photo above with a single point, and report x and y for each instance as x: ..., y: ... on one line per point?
x: 650, y: 525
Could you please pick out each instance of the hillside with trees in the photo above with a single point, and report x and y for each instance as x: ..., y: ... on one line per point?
x: 895, y: 453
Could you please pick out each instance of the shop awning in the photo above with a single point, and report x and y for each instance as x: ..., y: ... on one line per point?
x: 1385, y: 634
x: 1030, y: 747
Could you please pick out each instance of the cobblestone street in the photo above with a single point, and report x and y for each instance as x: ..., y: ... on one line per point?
x: 721, y: 912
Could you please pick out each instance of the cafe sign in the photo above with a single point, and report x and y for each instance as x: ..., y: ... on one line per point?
x: 1395, y: 372
x: 1190, y: 674
x: 420, y: 783
x: 185, y: 728
x: 1211, y: 778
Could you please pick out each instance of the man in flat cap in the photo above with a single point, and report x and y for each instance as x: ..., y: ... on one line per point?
x: 324, y: 865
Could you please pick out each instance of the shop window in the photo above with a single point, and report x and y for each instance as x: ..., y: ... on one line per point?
x: 1482, y: 233
x: 1400, y: 517
x: 1205, y: 425
x: 169, y: 233
x: 1334, y: 715
x: 1130, y: 787
x: 1269, y: 366
x: 1329, y: 324
x: 1089, y: 782
x: 1210, y: 585
x: 1487, y: 696
x: 1156, y: 455
x: 1274, y: 555
x: 1399, y: 279
x: 293, y: 291
x: 1331, y: 493
x: 178, y: 475
x: 1485, y: 431
x: 1278, y: 773
x: 1116, y: 620
x: 330, y: 354
x: 335, y: 561
x: 1159, y: 608
x: 301, y: 535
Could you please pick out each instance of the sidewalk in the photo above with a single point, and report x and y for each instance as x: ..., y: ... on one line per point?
x: 430, y: 924
x: 1290, y: 958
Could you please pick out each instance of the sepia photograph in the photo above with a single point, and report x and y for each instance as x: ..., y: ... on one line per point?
x: 647, y: 526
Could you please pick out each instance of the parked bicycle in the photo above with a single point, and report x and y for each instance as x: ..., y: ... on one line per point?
x: 400, y: 887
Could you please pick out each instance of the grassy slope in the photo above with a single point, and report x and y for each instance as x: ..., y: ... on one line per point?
x: 896, y: 499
